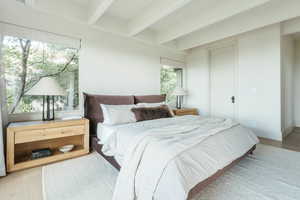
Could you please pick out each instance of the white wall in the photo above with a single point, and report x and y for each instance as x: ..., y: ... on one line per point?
x: 258, y: 90
x: 287, y: 100
x: 109, y: 64
x: 260, y: 81
x: 197, y: 76
x: 120, y: 67
x: 297, y: 85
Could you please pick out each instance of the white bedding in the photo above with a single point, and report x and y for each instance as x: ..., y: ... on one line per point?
x: 187, y: 168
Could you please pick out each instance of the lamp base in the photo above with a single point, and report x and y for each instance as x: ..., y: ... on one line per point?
x: 48, y: 114
x: 48, y: 119
x: 179, y: 102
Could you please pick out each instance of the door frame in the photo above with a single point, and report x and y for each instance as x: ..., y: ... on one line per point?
x: 234, y: 44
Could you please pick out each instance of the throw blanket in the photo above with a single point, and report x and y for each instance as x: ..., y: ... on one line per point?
x: 157, y: 148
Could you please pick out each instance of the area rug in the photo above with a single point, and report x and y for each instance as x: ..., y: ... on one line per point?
x: 89, y: 177
x: 270, y: 174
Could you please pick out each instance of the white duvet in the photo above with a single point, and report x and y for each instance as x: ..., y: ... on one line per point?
x: 165, y: 158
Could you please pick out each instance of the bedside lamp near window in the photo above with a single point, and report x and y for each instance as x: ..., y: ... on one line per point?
x: 48, y: 88
x: 179, y: 93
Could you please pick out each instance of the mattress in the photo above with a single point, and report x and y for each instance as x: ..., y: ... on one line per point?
x: 195, y: 164
x: 103, y: 134
x: 104, y: 131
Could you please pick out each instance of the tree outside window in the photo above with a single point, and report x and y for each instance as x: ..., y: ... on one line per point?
x: 26, y: 61
x: 170, y: 78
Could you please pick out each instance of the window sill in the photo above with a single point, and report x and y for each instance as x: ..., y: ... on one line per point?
x: 38, y: 115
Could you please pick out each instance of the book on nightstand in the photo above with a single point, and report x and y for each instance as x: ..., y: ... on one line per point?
x: 40, y: 153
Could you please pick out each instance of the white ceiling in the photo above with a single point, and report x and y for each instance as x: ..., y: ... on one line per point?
x: 83, y: 2
x: 128, y: 9
x: 172, y: 23
x: 182, y: 16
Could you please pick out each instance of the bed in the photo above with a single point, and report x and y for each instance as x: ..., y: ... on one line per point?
x: 186, y: 174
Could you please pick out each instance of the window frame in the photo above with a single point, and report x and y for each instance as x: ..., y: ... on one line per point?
x: 181, y: 81
x: 33, y: 116
x: 25, y: 115
x: 179, y: 71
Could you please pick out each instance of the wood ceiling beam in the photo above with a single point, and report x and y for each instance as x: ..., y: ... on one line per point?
x: 153, y: 14
x: 99, y: 11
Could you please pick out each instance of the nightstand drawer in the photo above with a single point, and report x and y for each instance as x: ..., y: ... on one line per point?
x: 186, y: 111
x: 65, y: 131
x: 28, y: 136
x: 45, y: 134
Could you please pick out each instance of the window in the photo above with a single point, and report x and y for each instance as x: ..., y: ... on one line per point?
x: 26, y: 61
x: 170, y: 78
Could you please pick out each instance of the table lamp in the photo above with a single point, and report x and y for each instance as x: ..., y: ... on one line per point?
x: 179, y: 93
x: 48, y: 88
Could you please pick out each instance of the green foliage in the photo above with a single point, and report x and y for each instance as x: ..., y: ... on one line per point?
x: 168, y: 82
x: 44, y: 59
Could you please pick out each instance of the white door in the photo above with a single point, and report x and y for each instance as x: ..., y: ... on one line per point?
x: 222, y: 81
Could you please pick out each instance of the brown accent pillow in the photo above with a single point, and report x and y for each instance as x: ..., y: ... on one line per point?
x: 150, y: 113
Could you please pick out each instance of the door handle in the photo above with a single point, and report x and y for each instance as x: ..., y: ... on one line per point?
x: 233, y: 99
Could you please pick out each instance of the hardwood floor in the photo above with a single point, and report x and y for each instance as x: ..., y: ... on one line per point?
x: 22, y: 185
x: 291, y: 142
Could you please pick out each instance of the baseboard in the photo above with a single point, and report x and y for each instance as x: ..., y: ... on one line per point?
x: 270, y: 141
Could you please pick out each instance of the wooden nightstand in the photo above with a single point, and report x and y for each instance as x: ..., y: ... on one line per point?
x: 23, y: 137
x: 186, y: 111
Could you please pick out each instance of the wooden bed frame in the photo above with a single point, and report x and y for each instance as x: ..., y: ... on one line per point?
x: 145, y: 99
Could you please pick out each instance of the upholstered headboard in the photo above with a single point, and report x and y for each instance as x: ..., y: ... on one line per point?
x: 93, y: 111
x: 150, y: 99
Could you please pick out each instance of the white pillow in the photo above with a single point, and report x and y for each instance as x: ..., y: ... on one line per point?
x: 117, y: 114
x: 147, y: 105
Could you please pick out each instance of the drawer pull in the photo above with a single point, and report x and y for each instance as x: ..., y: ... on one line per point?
x: 66, y: 132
